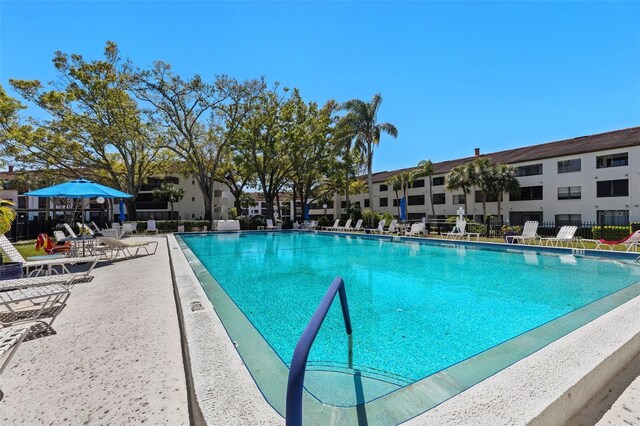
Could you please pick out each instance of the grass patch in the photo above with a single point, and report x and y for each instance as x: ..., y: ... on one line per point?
x: 28, y: 249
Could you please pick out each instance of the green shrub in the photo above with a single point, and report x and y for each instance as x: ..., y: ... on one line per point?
x: 611, y: 233
x: 635, y: 226
x: 388, y: 217
x: 233, y: 213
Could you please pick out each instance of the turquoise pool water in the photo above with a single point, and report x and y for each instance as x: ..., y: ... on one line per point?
x: 416, y: 308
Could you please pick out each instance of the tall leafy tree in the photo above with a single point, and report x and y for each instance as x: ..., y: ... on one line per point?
x: 425, y: 168
x: 313, y: 149
x: 170, y: 193
x: 458, y: 178
x: 504, y: 180
x: 264, y: 142
x: 481, y: 175
x: 362, y: 117
x: 236, y: 175
x: 198, y: 119
x: 402, y: 181
x: 95, y: 129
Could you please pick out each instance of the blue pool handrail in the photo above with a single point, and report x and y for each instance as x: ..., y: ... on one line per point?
x: 295, y: 384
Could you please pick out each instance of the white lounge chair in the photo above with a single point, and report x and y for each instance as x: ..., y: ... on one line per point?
x: 116, y: 246
x: 95, y: 227
x: 32, y: 304
x: 10, y: 340
x: 59, y: 236
x: 129, y: 228
x: 529, y: 233
x: 70, y: 231
x: 332, y: 228
x: 270, y: 224
x: 46, y: 266
x: 565, y: 236
x: 393, y: 227
x: 458, y: 231
x: 416, y: 229
x: 66, y: 280
x: 313, y: 225
x: 345, y: 227
x: 379, y: 229
x: 630, y: 242
x: 151, y: 226
x: 358, y: 227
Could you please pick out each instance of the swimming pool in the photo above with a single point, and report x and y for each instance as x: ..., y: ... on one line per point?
x: 417, y: 309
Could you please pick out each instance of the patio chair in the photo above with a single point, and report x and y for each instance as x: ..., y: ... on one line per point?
x: 529, y: 233
x: 59, y: 236
x: 345, y: 227
x: 458, y: 231
x: 10, y: 340
x: 70, y: 231
x: 66, y: 280
x: 46, y: 265
x: 416, y: 229
x: 393, y: 227
x: 95, y: 227
x: 151, y: 226
x: 630, y: 241
x: 565, y: 235
x: 32, y: 304
x: 117, y: 246
x: 332, y: 228
x: 313, y: 225
x: 129, y: 228
x: 379, y: 229
x: 270, y: 224
x: 358, y: 227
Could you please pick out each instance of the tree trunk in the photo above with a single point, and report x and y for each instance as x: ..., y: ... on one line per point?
x: 278, y: 205
x: 295, y: 202
x: 433, y: 210
x: 268, y: 198
x: 500, y: 207
x: 346, y: 189
x: 131, y: 209
x: 466, y: 210
x: 398, y: 201
x: 370, y: 175
x: 484, y: 207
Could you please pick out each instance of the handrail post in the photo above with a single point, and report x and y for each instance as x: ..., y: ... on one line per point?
x: 295, y: 384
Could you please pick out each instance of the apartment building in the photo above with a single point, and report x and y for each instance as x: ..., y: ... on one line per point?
x: 586, y: 179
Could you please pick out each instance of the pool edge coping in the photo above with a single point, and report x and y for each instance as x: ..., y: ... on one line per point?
x: 258, y: 408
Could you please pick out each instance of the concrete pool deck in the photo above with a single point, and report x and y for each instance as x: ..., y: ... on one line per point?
x: 115, y: 357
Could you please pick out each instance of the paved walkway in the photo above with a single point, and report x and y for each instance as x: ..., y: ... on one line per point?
x: 115, y: 357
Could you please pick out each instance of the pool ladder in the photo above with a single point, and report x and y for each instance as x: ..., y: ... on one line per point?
x: 295, y: 384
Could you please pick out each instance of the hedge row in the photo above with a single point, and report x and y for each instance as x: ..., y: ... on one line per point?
x: 611, y: 233
x: 172, y: 225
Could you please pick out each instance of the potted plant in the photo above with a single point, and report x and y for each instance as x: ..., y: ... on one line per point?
x: 8, y: 270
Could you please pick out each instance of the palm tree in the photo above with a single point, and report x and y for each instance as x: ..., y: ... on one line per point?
x: 362, y: 118
x: 402, y: 181
x: 425, y: 168
x: 481, y: 176
x: 458, y: 178
x: 344, y: 136
x: 169, y: 193
x: 504, y: 180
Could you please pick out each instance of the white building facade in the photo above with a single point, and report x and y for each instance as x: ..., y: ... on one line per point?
x: 588, y: 179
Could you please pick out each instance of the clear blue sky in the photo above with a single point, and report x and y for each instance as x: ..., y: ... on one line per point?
x: 453, y: 76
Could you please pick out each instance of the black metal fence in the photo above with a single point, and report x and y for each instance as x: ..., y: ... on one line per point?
x: 29, y: 223
x: 590, y: 230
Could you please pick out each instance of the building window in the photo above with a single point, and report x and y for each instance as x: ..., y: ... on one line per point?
x: 343, y: 204
x: 366, y: 202
x: 438, y: 181
x: 439, y: 198
x: 418, y: 183
x: 570, y: 193
x: 569, y: 166
x: 415, y: 216
x: 613, y: 217
x: 613, y: 188
x: 491, y: 197
x: 530, y: 170
x: 614, y: 160
x: 458, y: 198
x: 217, y: 193
x: 416, y: 200
x: 519, y: 218
x: 384, y: 202
x: 527, y: 193
x: 383, y: 188
x: 568, y: 219
x: 193, y: 198
x: 42, y: 203
x: 193, y: 182
x: 357, y: 203
x: 22, y: 202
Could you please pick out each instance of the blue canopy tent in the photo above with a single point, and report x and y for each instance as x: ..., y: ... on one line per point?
x: 403, y: 209
x: 78, y: 188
